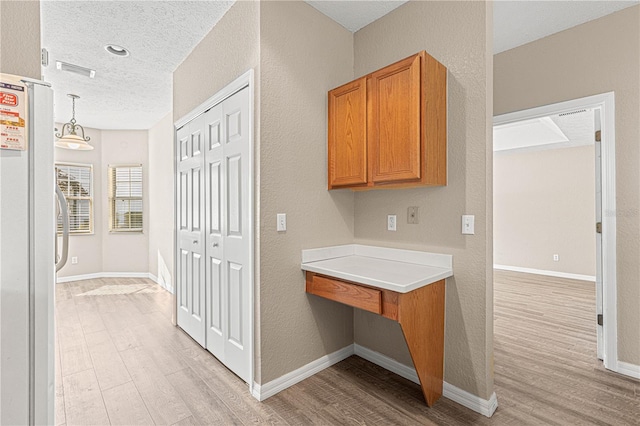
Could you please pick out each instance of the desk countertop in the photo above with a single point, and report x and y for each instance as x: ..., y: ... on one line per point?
x: 391, y: 269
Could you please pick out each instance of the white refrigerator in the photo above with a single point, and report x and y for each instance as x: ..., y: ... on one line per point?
x: 27, y: 252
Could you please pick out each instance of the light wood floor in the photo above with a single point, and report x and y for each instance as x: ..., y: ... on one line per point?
x: 119, y: 361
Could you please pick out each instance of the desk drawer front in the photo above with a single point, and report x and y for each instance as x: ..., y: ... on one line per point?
x: 354, y: 295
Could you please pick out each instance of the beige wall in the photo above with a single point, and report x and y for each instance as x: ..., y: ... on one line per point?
x: 298, y: 55
x: 103, y: 251
x: 544, y: 204
x: 87, y: 248
x: 20, y: 38
x: 596, y: 57
x: 160, y: 172
x: 303, y: 55
x: 125, y: 251
x: 458, y: 34
x: 231, y: 48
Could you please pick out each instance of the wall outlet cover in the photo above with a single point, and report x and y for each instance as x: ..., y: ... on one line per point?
x: 391, y: 222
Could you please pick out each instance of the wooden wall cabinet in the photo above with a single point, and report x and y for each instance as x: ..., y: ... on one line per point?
x: 389, y: 128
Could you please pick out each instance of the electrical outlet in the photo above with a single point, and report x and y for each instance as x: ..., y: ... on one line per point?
x: 391, y: 222
x: 412, y: 215
x: 74, y: 260
x: 556, y: 258
x: 281, y: 222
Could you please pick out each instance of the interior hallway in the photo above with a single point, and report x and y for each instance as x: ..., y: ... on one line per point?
x: 119, y: 361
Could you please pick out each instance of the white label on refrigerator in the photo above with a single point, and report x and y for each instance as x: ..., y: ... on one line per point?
x: 13, y: 110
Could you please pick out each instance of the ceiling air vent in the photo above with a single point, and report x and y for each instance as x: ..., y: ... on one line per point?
x: 572, y: 112
x: 76, y: 69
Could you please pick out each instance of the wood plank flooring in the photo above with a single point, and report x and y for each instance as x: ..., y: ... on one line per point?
x: 119, y: 361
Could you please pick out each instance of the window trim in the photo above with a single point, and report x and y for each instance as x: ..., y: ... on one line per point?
x: 112, y: 198
x: 90, y: 198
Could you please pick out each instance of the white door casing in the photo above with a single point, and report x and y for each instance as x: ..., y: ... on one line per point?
x: 604, y: 105
x: 598, y: 166
x: 226, y: 125
x: 190, y: 261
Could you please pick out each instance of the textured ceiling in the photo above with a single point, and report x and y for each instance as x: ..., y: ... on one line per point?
x: 131, y: 92
x: 354, y: 15
x: 577, y: 127
x: 135, y: 92
x: 519, y: 22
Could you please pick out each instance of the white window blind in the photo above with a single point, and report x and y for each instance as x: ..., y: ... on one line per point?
x: 125, y: 198
x: 76, y: 183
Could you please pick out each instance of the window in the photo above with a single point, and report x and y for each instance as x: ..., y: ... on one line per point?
x: 125, y: 198
x: 76, y: 183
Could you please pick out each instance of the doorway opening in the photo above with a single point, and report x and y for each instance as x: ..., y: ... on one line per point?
x: 598, y: 112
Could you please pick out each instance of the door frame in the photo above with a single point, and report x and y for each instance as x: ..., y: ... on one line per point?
x: 605, y: 103
x: 245, y: 80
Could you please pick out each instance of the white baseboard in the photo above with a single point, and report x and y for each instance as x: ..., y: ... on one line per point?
x: 545, y: 272
x: 160, y: 282
x: 473, y: 402
x: 628, y: 369
x: 70, y: 278
x: 387, y: 363
x: 262, y: 392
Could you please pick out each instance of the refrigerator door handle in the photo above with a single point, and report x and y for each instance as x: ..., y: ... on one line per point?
x: 62, y: 202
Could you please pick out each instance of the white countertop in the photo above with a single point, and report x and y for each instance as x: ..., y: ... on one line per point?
x: 391, y: 269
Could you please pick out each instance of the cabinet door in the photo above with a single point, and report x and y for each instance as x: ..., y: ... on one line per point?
x: 347, y: 149
x: 395, y: 125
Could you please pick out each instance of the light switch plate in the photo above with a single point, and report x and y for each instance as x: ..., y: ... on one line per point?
x: 281, y: 223
x: 468, y: 224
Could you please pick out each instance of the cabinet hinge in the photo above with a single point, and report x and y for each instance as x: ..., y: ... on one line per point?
x: 599, y: 227
x: 600, y: 320
x: 598, y: 135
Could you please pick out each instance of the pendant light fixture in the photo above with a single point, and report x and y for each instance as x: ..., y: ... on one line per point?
x: 71, y: 140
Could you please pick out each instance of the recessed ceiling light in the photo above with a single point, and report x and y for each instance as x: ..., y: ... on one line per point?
x: 114, y: 49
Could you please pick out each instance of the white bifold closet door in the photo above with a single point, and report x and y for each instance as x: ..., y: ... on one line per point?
x: 190, y: 271
x: 224, y: 297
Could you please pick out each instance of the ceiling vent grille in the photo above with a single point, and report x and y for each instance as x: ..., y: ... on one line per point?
x: 572, y: 112
x: 76, y: 69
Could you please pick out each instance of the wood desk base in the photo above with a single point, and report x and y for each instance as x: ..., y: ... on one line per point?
x: 419, y: 312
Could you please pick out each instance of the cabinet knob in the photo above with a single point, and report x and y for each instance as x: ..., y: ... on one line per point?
x: 195, y: 241
x: 215, y: 244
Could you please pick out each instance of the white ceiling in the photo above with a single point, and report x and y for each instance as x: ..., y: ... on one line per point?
x: 131, y: 92
x: 519, y: 22
x: 566, y: 130
x: 354, y: 15
x: 135, y: 92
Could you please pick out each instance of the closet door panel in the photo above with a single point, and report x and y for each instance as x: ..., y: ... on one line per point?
x: 190, y: 238
x: 214, y: 178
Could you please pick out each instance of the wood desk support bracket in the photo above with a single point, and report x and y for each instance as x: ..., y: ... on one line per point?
x: 420, y: 314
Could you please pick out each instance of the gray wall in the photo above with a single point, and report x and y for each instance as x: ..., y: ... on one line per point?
x: 20, y: 38
x: 161, y: 219
x: 87, y: 247
x: 103, y: 251
x: 544, y: 204
x: 458, y: 35
x: 303, y: 55
x: 597, y: 57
